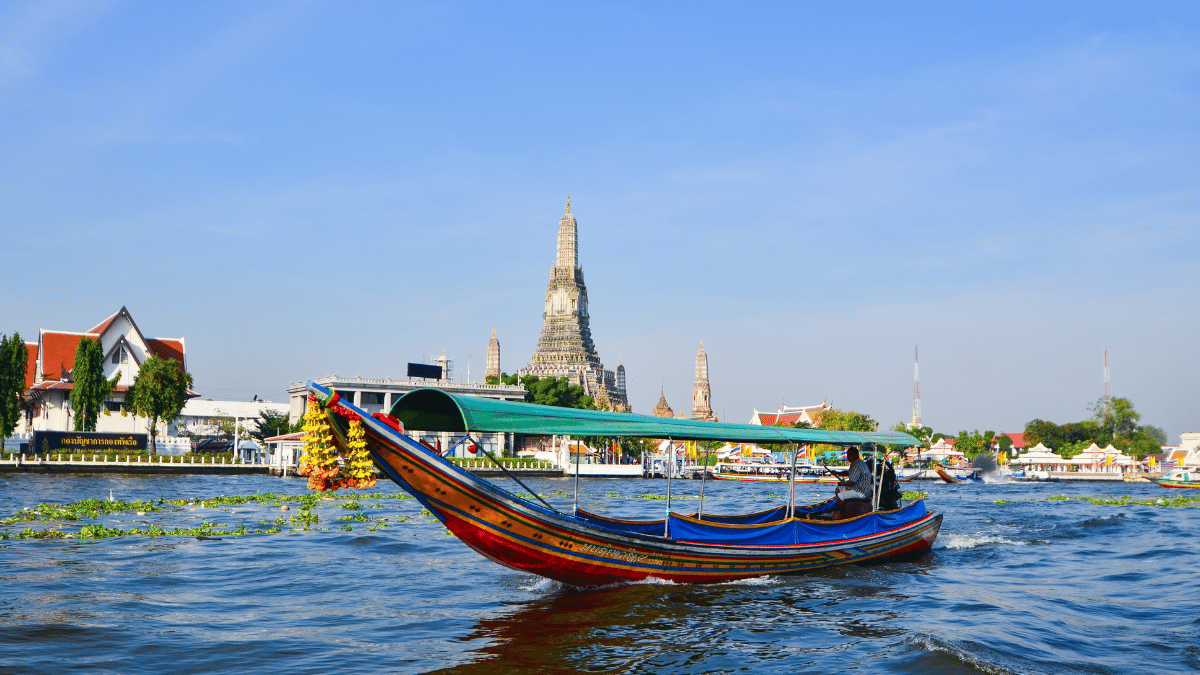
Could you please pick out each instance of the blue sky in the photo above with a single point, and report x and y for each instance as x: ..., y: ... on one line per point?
x: 308, y: 188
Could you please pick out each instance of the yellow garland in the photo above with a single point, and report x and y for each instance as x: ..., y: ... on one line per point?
x: 318, y: 459
x: 359, y: 466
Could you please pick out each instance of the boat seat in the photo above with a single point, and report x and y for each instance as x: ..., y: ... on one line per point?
x: 852, y: 508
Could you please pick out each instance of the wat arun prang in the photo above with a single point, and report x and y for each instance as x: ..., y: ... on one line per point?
x: 566, y: 348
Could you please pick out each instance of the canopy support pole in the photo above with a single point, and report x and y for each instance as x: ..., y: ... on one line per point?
x: 518, y: 480
x: 791, y: 512
x: 703, y: 478
x: 669, y: 467
x: 877, y: 475
x: 575, y: 510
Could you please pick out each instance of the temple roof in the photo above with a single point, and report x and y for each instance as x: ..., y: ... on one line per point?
x: 662, y: 409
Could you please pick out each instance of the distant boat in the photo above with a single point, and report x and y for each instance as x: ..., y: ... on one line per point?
x: 1182, y: 477
x: 771, y: 473
x: 975, y: 476
x: 526, y: 533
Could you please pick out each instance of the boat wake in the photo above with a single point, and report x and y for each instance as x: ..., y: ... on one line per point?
x: 964, y: 541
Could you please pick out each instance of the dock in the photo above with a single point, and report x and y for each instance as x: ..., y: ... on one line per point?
x: 132, y: 464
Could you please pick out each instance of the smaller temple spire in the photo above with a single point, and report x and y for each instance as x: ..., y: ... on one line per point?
x: 568, y: 203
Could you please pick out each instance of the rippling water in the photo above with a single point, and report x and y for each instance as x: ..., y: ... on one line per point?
x: 1030, y: 586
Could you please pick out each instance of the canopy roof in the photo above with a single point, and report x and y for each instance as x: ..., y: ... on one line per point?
x: 437, y: 410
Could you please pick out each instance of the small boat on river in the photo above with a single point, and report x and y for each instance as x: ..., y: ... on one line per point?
x: 771, y: 473
x: 1181, y: 477
x: 524, y: 532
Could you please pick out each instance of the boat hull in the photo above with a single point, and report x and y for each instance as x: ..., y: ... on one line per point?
x: 1167, y: 483
x: 522, y: 535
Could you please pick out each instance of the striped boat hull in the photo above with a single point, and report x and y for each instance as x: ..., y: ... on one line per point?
x: 520, y: 534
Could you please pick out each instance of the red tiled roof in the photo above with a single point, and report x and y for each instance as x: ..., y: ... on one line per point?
x: 1017, y: 439
x: 31, y: 367
x: 99, y: 330
x: 58, y: 353
x: 68, y: 386
x: 166, y: 349
x: 768, y: 419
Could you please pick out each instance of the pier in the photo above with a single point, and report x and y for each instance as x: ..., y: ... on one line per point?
x: 132, y: 464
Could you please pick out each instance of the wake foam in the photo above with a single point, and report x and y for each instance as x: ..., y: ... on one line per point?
x: 964, y: 541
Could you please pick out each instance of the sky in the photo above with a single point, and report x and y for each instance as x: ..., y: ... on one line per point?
x: 302, y: 189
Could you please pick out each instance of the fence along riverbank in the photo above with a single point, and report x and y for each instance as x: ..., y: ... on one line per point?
x: 137, y: 464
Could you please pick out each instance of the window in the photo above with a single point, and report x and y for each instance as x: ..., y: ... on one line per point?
x: 113, y: 406
x: 371, y: 398
x: 118, y: 355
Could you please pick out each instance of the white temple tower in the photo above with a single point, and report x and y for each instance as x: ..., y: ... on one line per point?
x: 565, y: 348
x: 493, y: 357
x: 701, y: 392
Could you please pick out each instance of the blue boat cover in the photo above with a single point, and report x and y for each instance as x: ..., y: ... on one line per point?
x: 792, y: 532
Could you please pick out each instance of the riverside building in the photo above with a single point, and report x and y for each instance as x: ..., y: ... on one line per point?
x: 49, y: 382
x: 378, y: 395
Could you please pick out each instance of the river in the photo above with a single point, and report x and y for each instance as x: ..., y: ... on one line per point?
x: 1018, y: 583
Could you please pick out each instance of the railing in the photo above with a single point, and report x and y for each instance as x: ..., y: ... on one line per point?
x: 529, y: 465
x: 145, y: 460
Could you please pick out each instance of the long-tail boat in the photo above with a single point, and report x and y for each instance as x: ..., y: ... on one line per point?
x: 585, y: 549
x: 1182, y: 477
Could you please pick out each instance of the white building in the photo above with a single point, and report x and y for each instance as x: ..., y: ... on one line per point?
x: 375, y: 396
x: 51, y: 361
x: 199, y: 416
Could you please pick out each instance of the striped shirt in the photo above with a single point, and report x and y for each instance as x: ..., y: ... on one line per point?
x: 860, y: 475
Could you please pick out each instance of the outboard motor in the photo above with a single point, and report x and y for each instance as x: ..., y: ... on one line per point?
x: 889, y: 493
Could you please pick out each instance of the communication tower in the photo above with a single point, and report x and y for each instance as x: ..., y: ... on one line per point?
x: 916, y: 420
x: 1107, y: 382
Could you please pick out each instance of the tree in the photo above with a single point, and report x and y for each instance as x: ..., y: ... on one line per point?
x: 973, y: 444
x: 14, y: 358
x: 1047, y: 433
x: 159, y: 392
x: 1116, y: 416
x: 271, y: 423
x: 556, y: 391
x: 88, y: 386
x: 1005, y: 442
x: 922, y: 434
x: 847, y: 420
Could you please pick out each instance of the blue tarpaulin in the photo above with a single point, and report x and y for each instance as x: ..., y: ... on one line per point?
x: 792, y: 532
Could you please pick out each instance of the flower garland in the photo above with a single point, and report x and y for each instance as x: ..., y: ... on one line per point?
x: 359, y: 466
x: 318, y: 460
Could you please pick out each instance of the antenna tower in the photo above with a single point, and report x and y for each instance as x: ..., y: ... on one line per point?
x: 1107, y: 381
x: 916, y: 420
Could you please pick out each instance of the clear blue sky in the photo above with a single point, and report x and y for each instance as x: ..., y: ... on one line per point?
x: 308, y: 188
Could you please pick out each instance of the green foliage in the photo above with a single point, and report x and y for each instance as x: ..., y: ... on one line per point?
x: 974, y: 444
x: 1116, y: 416
x: 842, y: 420
x: 556, y: 391
x: 1004, y: 442
x: 14, y: 358
x: 89, y: 388
x: 848, y: 420
x: 271, y: 423
x: 1114, y: 421
x: 159, y: 392
x: 923, y: 434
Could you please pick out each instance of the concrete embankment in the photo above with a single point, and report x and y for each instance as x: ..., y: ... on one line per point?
x: 173, y: 465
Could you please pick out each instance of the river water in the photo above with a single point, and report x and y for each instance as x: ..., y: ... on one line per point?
x: 1026, y: 585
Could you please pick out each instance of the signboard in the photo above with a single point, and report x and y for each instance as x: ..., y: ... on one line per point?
x: 85, y: 442
x: 425, y: 370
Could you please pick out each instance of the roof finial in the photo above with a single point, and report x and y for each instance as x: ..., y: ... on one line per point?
x: 493, y: 331
x: 568, y: 203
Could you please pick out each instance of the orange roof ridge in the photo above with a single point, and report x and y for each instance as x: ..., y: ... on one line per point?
x: 107, y: 322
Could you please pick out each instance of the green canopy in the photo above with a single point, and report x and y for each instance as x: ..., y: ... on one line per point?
x: 437, y: 410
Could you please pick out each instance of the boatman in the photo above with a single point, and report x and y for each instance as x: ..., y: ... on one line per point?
x: 854, y: 493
